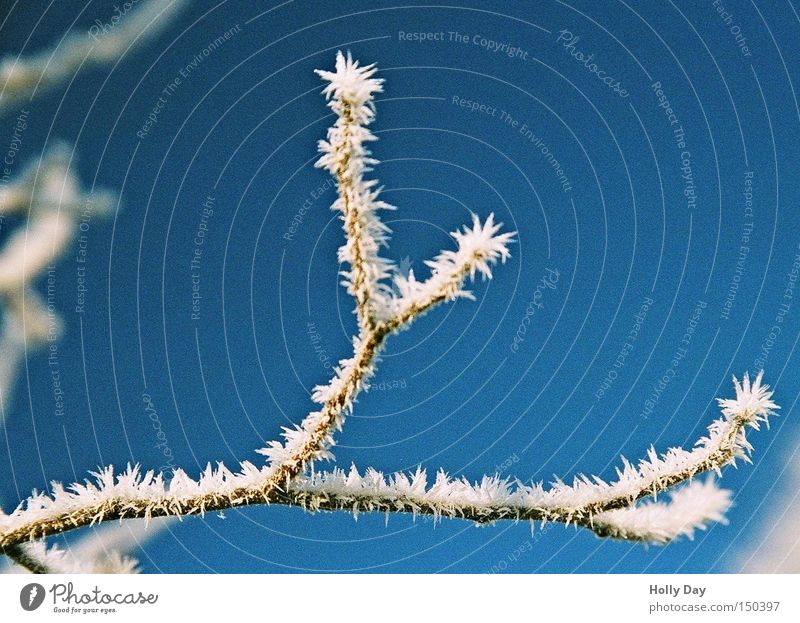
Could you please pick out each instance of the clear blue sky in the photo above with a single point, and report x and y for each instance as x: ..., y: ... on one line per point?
x: 639, y: 215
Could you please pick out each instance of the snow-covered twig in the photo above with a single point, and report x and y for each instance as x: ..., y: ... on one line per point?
x: 478, y: 247
x: 380, y: 312
x: 691, y: 507
x: 104, y: 42
x: 350, y: 93
x: 606, y: 508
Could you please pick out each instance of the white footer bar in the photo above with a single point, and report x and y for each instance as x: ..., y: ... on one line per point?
x: 353, y: 598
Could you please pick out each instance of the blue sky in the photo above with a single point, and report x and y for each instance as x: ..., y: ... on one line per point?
x: 643, y: 225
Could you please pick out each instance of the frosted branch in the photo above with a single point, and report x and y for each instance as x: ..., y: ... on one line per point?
x: 32, y: 248
x: 350, y: 91
x: 618, y: 509
x: 344, y: 154
x: 37, y: 557
x: 477, y: 248
x: 606, y: 508
x: 691, y: 507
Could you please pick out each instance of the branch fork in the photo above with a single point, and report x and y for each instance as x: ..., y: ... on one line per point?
x: 385, y: 303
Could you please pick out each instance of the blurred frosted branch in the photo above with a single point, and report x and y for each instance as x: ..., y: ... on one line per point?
x: 23, y: 77
x: 776, y: 548
x: 48, y: 193
x: 104, y: 549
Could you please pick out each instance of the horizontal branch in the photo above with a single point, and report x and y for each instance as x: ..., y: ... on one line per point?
x: 583, y: 503
x: 691, y: 507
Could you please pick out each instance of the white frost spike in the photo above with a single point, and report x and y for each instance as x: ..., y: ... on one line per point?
x: 483, y: 244
x: 352, y: 85
x: 753, y: 399
x: 477, y: 248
